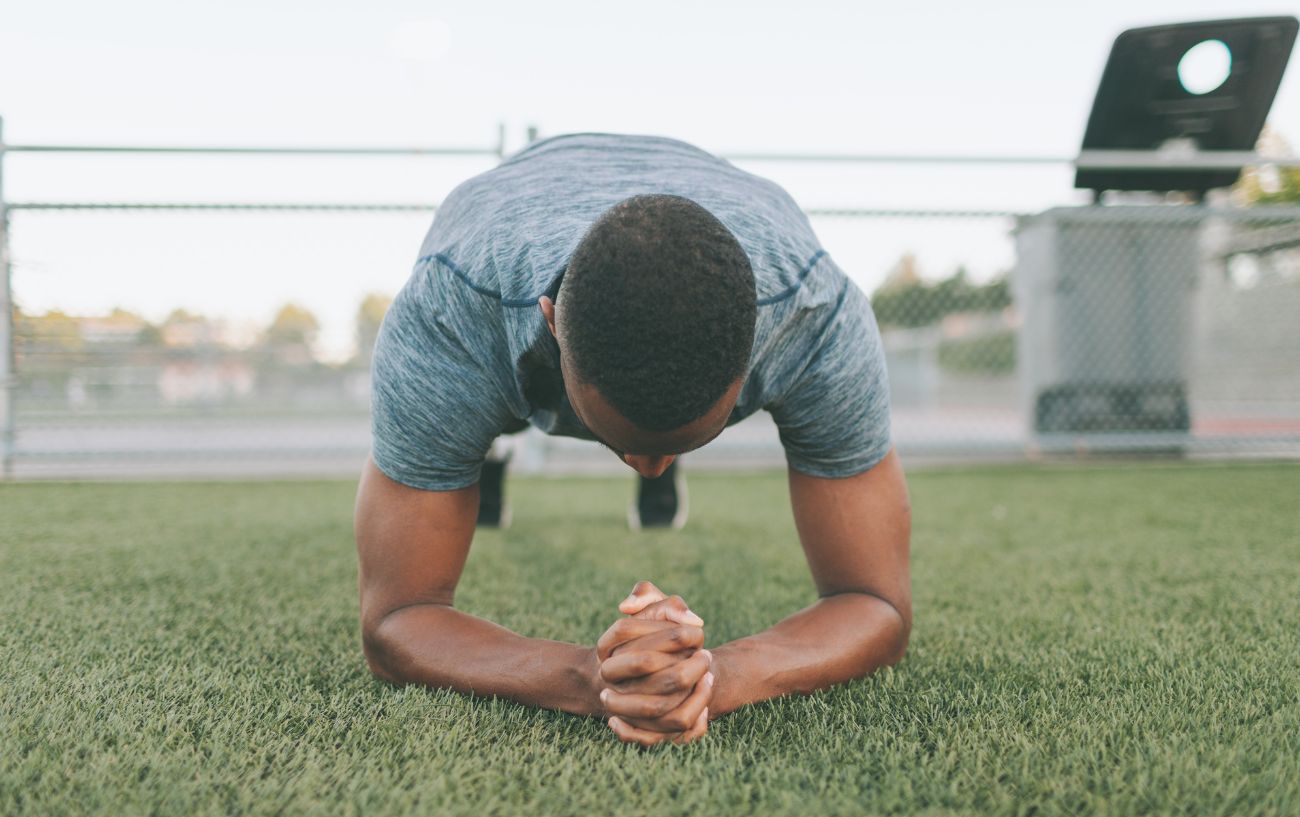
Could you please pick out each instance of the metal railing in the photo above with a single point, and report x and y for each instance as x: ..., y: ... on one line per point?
x: 966, y: 343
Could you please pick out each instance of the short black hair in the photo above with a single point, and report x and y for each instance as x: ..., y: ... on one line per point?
x: 659, y: 310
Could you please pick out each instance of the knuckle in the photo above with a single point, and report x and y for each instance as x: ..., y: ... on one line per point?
x: 677, y: 602
x: 686, y: 635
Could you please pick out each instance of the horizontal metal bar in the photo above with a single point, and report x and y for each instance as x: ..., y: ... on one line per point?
x: 194, y: 453
x: 1086, y: 160
x: 894, y: 212
x: 1265, y: 240
x: 1264, y: 214
x: 822, y: 212
x: 327, y: 207
x: 251, y: 150
x: 1138, y: 160
x: 897, y: 158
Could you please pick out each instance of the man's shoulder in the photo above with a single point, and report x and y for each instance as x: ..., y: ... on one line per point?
x: 806, y: 320
x: 439, y: 303
x: 512, y: 229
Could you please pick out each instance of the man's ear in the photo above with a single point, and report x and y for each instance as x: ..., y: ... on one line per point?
x: 548, y: 311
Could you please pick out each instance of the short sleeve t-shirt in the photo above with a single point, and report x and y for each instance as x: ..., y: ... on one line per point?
x: 464, y: 353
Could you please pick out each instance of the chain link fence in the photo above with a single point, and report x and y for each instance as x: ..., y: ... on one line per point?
x: 1150, y: 329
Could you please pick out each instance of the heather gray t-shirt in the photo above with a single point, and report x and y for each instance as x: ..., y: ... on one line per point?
x: 464, y: 354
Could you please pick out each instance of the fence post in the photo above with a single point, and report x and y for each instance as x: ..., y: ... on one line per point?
x: 7, y: 357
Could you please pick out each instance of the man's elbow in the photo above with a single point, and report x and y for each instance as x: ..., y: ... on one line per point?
x: 373, y: 651
x: 393, y: 644
x: 379, y: 651
x: 894, y: 632
x: 900, y: 632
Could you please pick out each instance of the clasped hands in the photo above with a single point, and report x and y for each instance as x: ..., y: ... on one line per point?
x: 655, y: 679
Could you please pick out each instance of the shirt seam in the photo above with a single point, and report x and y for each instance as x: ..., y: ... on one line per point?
x: 518, y: 303
x: 793, y: 288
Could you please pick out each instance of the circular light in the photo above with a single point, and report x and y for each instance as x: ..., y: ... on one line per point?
x: 1205, y: 67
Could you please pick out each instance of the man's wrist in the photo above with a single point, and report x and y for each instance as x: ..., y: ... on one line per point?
x: 586, y: 684
x: 731, y: 687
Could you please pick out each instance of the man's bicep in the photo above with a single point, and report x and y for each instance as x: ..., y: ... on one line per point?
x: 438, y: 391
x: 411, y: 544
x: 856, y: 531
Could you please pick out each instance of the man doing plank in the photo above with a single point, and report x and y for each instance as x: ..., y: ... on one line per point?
x: 641, y: 293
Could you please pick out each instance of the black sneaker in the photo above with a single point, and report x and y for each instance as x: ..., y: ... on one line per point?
x: 660, y: 502
x: 493, y: 510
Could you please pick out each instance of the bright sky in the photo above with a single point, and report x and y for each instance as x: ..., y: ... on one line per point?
x: 940, y: 77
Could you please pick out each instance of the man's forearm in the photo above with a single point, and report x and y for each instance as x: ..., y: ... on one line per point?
x: 839, y: 638
x: 439, y: 646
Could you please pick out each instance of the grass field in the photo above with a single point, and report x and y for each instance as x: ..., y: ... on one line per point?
x: 1117, y: 640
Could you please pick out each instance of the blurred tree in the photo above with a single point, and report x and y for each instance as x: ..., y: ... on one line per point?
x: 120, y: 326
x: 188, y: 330
x: 146, y: 335
x: 292, y: 334
x: 151, y: 335
x: 53, y: 332
x: 1269, y: 184
x: 292, y: 325
x: 903, y: 274
x: 370, y: 315
x: 906, y: 300
x: 994, y: 353
x: 182, y: 315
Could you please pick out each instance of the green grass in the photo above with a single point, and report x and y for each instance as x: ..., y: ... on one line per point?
x: 1106, y: 640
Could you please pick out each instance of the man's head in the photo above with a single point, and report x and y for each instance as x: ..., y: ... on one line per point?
x: 655, y: 321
